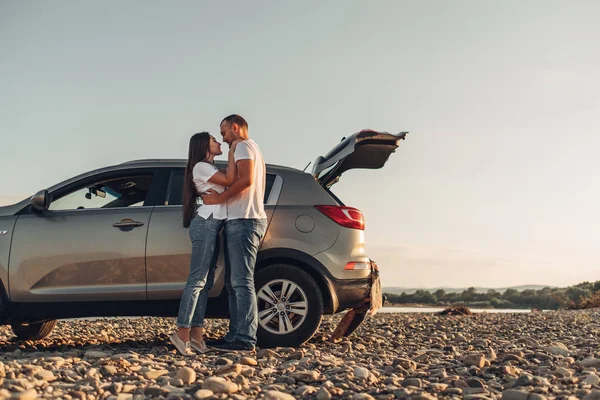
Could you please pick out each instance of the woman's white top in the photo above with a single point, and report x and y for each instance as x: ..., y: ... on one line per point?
x: 201, y: 173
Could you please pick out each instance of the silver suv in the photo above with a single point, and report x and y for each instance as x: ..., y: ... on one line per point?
x: 110, y: 242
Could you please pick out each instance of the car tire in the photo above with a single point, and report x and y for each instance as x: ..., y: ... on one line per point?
x: 34, y: 330
x: 291, y: 329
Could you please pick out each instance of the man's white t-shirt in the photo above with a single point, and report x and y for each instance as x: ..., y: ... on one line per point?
x: 249, y: 204
x: 201, y: 173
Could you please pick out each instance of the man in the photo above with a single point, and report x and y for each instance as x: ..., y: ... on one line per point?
x: 244, y: 229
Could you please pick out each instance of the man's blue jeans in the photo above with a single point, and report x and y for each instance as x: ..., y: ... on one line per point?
x: 204, y: 234
x: 242, y: 240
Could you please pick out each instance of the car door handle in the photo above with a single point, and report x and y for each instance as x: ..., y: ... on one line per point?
x: 127, y: 223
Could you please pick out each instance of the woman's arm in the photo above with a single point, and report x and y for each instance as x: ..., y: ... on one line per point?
x: 227, y: 179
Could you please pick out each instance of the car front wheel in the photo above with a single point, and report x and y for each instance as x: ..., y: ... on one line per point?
x: 33, y: 330
x: 290, y: 306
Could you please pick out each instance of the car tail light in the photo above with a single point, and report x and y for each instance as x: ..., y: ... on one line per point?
x: 345, y: 216
x: 357, y: 265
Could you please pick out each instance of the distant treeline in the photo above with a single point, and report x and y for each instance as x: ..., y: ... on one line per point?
x: 548, y: 298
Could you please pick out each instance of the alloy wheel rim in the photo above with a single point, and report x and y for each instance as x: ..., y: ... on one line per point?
x: 282, y: 306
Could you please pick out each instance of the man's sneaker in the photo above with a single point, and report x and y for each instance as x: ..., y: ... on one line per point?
x: 180, y: 345
x: 199, y: 346
x: 235, y: 346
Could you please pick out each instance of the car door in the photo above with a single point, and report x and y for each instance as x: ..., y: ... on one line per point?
x: 89, y: 245
x: 169, y: 247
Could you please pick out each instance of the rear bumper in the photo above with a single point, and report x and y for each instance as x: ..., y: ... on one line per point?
x: 351, y: 293
x: 354, y: 293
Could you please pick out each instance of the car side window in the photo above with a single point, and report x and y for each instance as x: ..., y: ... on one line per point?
x: 130, y: 191
x: 175, y: 191
x: 268, y: 186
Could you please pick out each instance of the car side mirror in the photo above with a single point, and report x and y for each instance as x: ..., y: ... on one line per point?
x: 40, y: 201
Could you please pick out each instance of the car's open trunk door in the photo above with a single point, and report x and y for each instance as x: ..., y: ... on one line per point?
x: 365, y: 149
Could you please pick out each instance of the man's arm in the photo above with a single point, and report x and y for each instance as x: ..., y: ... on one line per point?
x: 245, y: 179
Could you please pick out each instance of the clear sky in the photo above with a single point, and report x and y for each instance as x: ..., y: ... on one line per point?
x: 497, y: 184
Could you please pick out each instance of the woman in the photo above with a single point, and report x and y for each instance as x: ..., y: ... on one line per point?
x: 204, y: 223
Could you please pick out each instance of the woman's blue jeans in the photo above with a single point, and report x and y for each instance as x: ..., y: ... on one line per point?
x: 204, y: 234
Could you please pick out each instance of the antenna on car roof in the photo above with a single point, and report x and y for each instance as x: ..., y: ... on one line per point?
x: 306, y: 166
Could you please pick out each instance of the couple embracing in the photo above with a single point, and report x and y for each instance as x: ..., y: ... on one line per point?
x: 233, y: 202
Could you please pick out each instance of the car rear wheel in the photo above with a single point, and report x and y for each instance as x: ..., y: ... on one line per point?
x: 33, y: 330
x: 290, y: 306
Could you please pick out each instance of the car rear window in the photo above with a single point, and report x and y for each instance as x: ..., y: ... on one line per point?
x: 175, y: 190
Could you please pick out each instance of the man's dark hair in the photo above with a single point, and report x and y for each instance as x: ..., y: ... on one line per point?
x: 236, y: 119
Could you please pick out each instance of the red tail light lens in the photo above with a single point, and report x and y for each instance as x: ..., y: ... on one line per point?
x: 357, y: 265
x: 345, y: 216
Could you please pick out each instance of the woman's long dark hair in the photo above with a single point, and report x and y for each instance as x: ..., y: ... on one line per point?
x: 198, y: 151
